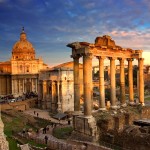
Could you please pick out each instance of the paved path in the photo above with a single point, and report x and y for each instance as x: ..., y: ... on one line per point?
x: 43, y: 114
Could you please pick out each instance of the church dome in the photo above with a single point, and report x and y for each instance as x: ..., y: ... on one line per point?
x: 23, y: 49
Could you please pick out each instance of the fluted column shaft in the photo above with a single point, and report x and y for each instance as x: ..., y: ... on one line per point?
x: 76, y: 84
x: 87, y: 80
x: 113, y: 82
x: 141, y: 81
x: 122, y: 82
x: 130, y: 79
x: 101, y: 84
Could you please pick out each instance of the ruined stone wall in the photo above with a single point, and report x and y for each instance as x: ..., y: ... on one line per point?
x: 21, y: 105
x: 145, y: 113
x: 118, y: 129
x: 3, y: 141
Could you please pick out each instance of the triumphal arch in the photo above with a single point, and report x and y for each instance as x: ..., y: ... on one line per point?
x: 104, y: 47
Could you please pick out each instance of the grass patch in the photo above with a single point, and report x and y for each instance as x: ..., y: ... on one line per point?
x: 62, y: 133
x: 14, y: 122
x: 12, y: 144
x: 147, y: 99
x: 42, y: 122
x: 32, y: 143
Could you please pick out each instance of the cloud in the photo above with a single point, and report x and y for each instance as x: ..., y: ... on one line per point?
x: 134, y: 39
x: 50, y: 25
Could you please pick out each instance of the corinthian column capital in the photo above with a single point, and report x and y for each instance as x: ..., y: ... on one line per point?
x: 121, y: 59
x: 88, y: 55
x: 141, y: 59
x: 75, y: 56
x: 101, y: 57
x: 130, y: 59
x: 112, y: 58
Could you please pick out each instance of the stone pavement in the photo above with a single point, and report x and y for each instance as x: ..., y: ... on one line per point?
x: 52, y: 142
x: 43, y: 114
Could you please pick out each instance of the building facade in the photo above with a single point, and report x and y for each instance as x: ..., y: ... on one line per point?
x: 56, y: 88
x: 20, y: 74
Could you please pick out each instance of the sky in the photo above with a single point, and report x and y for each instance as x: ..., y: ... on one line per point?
x: 51, y: 24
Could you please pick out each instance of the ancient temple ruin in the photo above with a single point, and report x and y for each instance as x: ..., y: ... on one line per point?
x: 103, y: 48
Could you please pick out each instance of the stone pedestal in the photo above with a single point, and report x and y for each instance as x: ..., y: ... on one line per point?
x: 85, y: 126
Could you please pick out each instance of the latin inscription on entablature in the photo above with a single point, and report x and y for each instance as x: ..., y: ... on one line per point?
x: 111, y: 53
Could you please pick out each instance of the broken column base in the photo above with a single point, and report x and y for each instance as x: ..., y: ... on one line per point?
x: 85, y: 127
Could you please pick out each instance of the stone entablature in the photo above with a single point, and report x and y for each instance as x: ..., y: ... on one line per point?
x: 104, y: 46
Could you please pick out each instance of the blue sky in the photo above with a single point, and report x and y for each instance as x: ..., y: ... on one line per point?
x: 52, y: 24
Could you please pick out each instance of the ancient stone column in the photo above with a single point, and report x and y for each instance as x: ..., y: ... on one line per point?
x: 130, y: 79
x: 101, y: 84
x: 122, y: 82
x: 58, y: 94
x: 44, y: 93
x: 87, y: 80
x: 113, y: 82
x: 53, y: 101
x: 141, y: 81
x: 76, y: 84
x: 8, y: 85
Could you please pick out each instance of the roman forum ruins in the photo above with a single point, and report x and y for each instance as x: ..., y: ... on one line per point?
x: 103, y: 48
